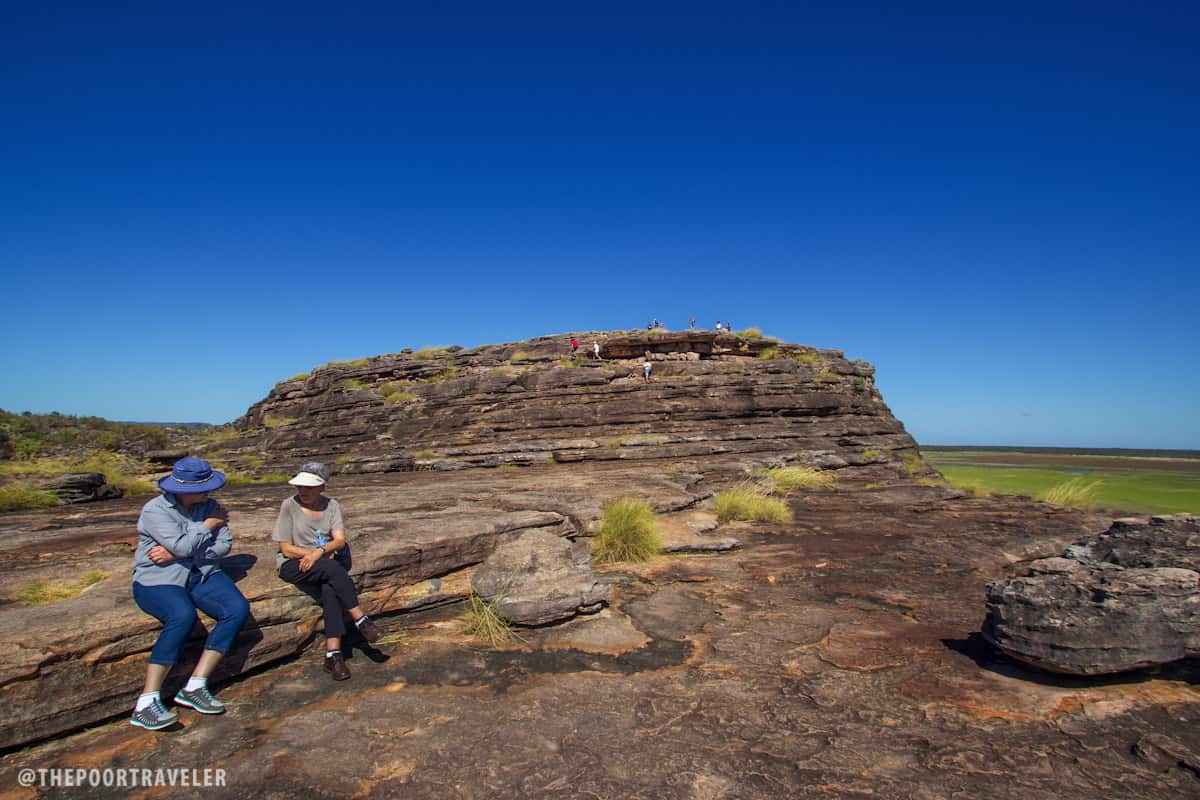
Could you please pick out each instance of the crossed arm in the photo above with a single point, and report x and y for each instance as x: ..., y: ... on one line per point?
x: 207, y: 540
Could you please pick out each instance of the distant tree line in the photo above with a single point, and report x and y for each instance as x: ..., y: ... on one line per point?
x: 27, y: 435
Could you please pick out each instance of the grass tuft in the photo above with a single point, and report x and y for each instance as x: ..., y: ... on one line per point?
x: 272, y: 421
x: 429, y: 353
x: 789, y: 479
x: 118, y: 469
x: 399, y: 397
x: 235, y: 478
x: 300, y: 376
x: 772, y: 353
x: 520, y: 355
x: 913, y: 464
x: 425, y: 454
x: 482, y: 621
x: 749, y: 333
x: 628, y: 532
x: 751, y: 503
x: 41, y: 592
x: 24, y: 498
x: 1075, y: 493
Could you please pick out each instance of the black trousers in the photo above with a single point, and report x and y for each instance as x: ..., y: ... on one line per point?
x: 327, y: 583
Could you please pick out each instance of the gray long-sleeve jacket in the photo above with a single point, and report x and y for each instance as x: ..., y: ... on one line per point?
x: 163, y: 521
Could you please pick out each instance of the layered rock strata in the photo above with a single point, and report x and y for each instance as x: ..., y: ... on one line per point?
x: 530, y: 402
x: 1128, y: 600
x: 417, y: 539
x: 410, y: 428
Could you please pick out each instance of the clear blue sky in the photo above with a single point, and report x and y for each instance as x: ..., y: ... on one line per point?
x: 998, y: 207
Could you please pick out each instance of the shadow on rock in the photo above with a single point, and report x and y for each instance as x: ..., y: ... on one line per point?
x: 987, y: 657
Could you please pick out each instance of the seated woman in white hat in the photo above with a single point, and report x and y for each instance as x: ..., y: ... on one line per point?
x: 313, y: 555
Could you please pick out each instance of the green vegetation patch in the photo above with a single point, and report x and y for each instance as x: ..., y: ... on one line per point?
x: 628, y: 532
x: 274, y: 421
x: 218, y: 435
x: 41, y: 592
x: 805, y: 358
x: 520, y: 355
x: 395, y: 397
x: 118, y: 469
x: 14, y: 497
x: 482, y: 621
x: 236, y: 478
x: 46, y: 434
x: 1076, y: 493
x: 751, y: 503
x: 789, y: 479
x: 430, y: 353
x: 1137, y: 485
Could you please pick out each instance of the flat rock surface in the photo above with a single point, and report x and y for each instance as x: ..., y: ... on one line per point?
x: 834, y: 656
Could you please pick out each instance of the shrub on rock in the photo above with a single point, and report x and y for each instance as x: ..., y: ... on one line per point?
x: 628, y: 532
x: 752, y: 504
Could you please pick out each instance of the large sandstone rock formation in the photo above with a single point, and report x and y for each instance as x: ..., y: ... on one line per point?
x: 529, y: 402
x: 1128, y: 600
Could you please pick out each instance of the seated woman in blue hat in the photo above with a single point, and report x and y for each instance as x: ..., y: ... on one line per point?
x: 182, y: 535
x: 313, y: 555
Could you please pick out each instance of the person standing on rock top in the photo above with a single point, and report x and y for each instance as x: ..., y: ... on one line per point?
x: 182, y: 535
x: 596, y: 350
x: 314, y: 556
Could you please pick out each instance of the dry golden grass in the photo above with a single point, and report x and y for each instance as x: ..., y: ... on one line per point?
x: 1075, y: 493
x: 628, y: 532
x: 41, y: 592
x: 789, y: 479
x: 750, y: 502
x: 482, y: 621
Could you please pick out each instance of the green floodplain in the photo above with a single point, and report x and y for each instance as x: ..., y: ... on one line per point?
x: 1139, y: 481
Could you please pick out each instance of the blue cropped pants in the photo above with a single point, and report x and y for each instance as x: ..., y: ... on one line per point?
x: 175, y: 606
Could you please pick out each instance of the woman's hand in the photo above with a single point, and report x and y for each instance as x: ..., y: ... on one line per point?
x: 160, y: 555
x: 220, y: 517
x: 311, y: 558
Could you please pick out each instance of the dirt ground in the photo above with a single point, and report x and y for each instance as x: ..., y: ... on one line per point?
x: 835, y: 656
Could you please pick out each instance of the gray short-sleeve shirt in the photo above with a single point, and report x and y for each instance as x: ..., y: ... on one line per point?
x: 295, y: 527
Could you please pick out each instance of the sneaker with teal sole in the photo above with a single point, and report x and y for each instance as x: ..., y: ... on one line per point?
x: 153, y: 717
x: 201, y: 700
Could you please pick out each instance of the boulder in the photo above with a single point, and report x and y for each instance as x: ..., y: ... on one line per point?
x: 539, y: 577
x: 167, y: 457
x: 81, y: 487
x: 1128, y: 600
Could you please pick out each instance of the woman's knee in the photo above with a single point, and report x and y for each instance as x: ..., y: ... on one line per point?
x: 179, y: 621
x: 236, y: 610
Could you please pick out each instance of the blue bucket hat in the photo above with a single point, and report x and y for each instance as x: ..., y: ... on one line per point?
x: 191, y: 475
